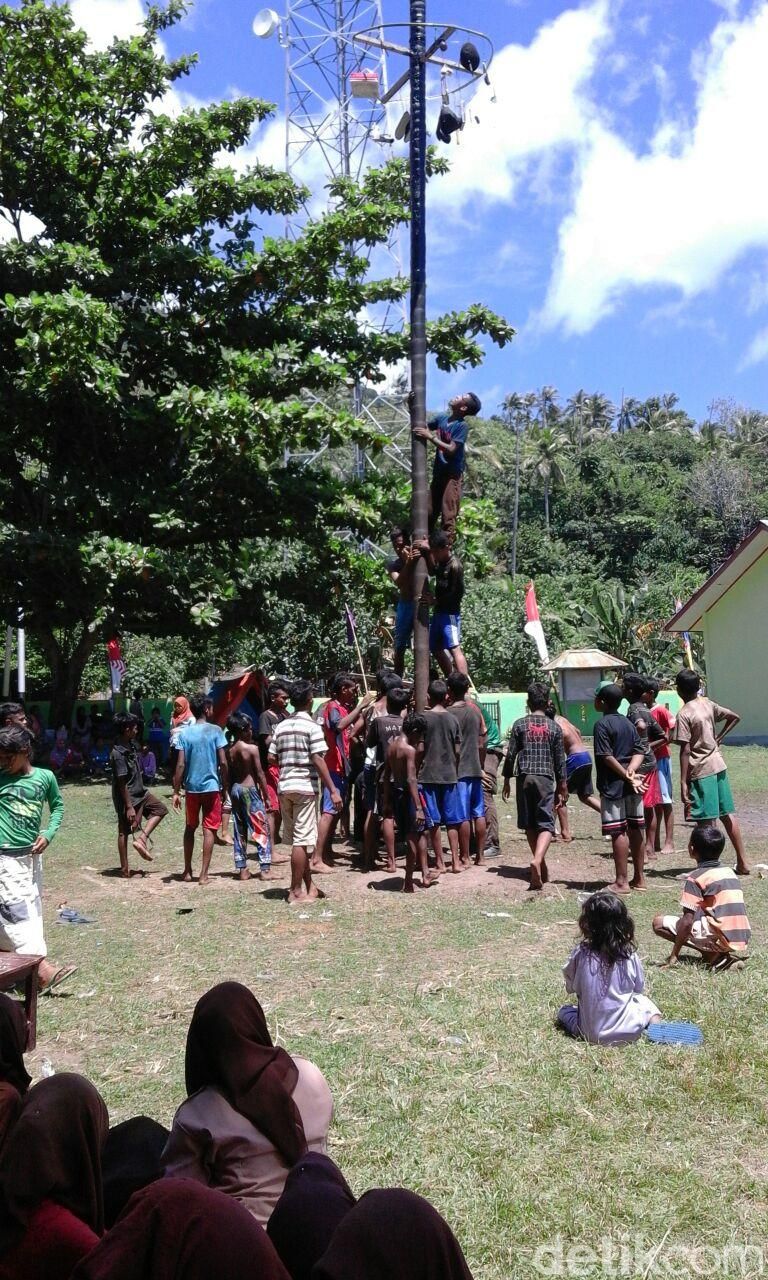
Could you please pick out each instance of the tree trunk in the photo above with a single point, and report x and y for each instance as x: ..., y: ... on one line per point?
x: 516, y: 501
x: 67, y: 665
x: 546, y: 508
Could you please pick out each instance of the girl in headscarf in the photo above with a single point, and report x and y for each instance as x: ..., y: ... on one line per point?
x: 253, y: 1110
x: 14, y: 1080
x: 181, y: 718
x: 51, y: 1208
x: 178, y: 1228
x: 315, y: 1199
x: 393, y: 1235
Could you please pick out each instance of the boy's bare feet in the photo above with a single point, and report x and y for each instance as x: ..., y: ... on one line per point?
x: 202, y: 879
x: 668, y: 848
x: 536, y: 880
x: 408, y: 887
x: 742, y: 869
x: 544, y: 872
x: 617, y: 887
x: 140, y: 845
x: 265, y: 873
x: 243, y: 874
x: 187, y: 877
x: 639, y: 885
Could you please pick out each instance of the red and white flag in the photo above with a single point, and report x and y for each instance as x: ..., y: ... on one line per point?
x: 533, y: 627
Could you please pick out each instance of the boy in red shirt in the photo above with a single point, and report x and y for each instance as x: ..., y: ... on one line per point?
x: 341, y: 717
x: 666, y: 721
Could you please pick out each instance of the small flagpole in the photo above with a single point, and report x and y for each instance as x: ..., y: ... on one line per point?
x: 353, y: 629
x: 7, y: 671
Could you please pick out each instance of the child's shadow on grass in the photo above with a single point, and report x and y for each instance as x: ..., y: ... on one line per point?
x: 506, y: 872
x: 273, y: 894
x: 393, y: 885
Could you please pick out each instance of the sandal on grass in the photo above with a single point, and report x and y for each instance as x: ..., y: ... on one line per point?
x: 59, y: 976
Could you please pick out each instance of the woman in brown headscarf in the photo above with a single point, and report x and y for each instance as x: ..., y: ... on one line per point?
x: 51, y: 1210
x: 14, y: 1080
x: 315, y: 1199
x: 178, y: 1228
x: 393, y: 1235
x: 253, y: 1110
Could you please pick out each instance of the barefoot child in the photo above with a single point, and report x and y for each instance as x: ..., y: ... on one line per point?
x: 298, y: 748
x: 439, y: 775
x: 714, y: 920
x: 606, y: 974
x: 474, y: 737
x: 650, y: 734
x: 536, y: 750
x: 133, y: 802
x: 403, y: 801
x: 248, y: 793
x: 277, y: 710
x: 24, y: 790
x: 664, y: 808
x: 382, y: 729
x: 618, y: 754
x: 704, y: 784
x: 201, y: 764
x: 578, y: 772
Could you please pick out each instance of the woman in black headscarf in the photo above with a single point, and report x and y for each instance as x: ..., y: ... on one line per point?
x: 252, y: 1110
x: 393, y: 1235
x: 178, y: 1228
x: 14, y: 1080
x: 51, y: 1207
x: 315, y: 1199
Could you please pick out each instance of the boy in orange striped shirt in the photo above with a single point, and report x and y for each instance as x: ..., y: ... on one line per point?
x: 714, y: 920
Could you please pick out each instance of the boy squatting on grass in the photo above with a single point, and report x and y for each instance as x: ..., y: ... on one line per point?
x: 24, y: 790
x: 714, y: 920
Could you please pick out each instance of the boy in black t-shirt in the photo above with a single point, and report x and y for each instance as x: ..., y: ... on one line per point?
x: 618, y: 757
x: 130, y: 797
x: 439, y: 774
x: 381, y: 731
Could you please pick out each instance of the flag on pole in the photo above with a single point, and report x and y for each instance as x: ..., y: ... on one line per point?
x: 117, y: 667
x: 533, y: 627
x: 685, y: 638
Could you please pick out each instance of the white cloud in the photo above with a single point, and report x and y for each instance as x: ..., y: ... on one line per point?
x: 539, y: 106
x: 682, y: 213
x: 756, y: 352
x: 106, y: 19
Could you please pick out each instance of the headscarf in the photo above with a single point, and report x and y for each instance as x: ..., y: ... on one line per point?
x: 178, y: 1227
x: 181, y: 711
x: 10, y: 1106
x: 393, y: 1235
x: 54, y: 1153
x: 130, y: 1162
x: 229, y: 1048
x: 13, y: 1042
x: 314, y: 1201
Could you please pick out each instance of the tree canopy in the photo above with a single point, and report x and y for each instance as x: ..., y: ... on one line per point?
x: 160, y: 351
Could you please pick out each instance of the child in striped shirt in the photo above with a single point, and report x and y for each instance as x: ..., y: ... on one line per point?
x: 714, y: 920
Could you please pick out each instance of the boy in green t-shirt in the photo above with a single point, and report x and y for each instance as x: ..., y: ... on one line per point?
x: 24, y: 790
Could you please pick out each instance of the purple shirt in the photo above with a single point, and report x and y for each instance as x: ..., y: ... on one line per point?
x: 612, y: 1008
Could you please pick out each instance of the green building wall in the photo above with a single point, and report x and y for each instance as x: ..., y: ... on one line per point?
x: 736, y: 647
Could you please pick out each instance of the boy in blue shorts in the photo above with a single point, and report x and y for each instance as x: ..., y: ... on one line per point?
x: 536, y: 755
x: 403, y: 799
x: 445, y: 628
x: 474, y: 737
x: 439, y: 774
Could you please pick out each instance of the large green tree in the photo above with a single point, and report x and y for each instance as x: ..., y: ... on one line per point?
x: 160, y: 354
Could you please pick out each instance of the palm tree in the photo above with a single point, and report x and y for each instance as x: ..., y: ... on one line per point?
x: 629, y: 414
x: 545, y: 446
x: 550, y: 409
x: 514, y: 410
x: 599, y: 412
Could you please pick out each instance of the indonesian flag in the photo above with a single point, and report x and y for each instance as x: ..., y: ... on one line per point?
x: 533, y: 627
x: 117, y: 667
x: 686, y: 639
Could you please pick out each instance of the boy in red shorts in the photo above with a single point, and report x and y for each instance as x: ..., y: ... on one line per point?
x: 202, y: 764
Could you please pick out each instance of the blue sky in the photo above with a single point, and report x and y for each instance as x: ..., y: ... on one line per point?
x: 612, y: 203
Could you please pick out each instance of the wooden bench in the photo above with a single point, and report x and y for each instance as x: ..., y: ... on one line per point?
x: 15, y: 969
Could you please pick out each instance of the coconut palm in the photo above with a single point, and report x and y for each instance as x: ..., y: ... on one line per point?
x: 550, y: 410
x: 517, y: 411
x: 545, y: 448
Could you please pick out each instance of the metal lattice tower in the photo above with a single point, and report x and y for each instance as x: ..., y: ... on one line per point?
x: 329, y: 134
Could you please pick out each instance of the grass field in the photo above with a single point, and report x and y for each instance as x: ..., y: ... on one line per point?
x: 431, y: 1017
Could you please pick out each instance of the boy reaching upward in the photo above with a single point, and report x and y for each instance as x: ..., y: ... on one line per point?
x: 403, y: 801
x: 248, y: 793
x: 704, y: 782
x: 618, y: 755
